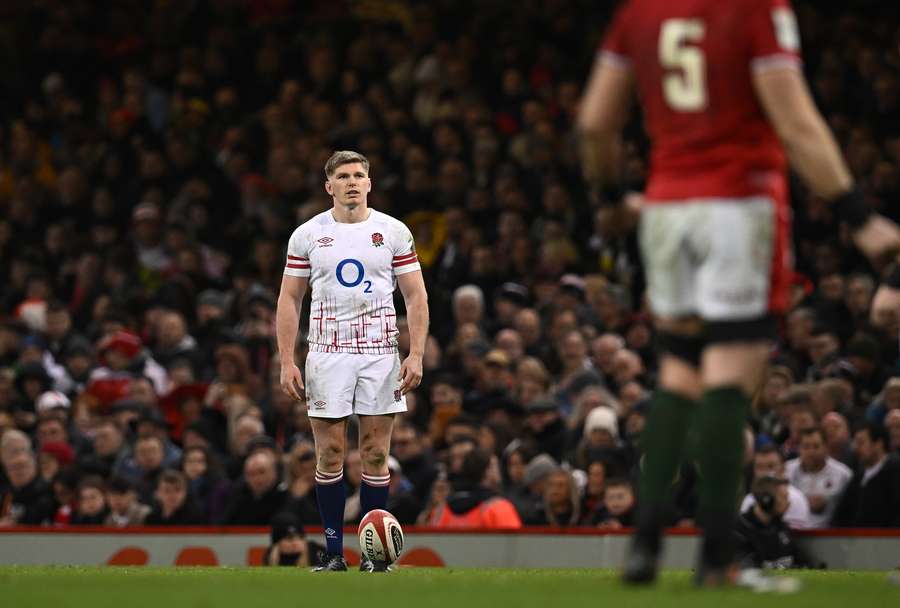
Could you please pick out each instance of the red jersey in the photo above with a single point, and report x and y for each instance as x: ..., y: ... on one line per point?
x: 693, y: 62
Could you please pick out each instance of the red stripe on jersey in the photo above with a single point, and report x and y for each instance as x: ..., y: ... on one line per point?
x: 294, y: 257
x: 299, y: 266
x: 411, y: 254
x: 405, y: 262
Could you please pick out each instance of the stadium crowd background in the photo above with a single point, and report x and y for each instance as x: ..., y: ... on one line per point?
x: 155, y: 157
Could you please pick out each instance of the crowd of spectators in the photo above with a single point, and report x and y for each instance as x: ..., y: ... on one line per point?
x: 155, y: 157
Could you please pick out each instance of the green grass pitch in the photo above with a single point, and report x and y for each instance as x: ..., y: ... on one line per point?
x: 122, y: 587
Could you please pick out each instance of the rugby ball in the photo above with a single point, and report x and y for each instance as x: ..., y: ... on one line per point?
x: 380, y: 537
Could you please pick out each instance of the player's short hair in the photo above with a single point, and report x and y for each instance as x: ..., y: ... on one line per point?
x: 344, y: 157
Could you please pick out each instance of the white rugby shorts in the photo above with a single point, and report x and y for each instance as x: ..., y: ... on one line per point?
x: 719, y: 259
x: 341, y: 384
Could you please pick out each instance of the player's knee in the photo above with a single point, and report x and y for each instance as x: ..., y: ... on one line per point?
x: 374, y: 457
x: 331, y: 456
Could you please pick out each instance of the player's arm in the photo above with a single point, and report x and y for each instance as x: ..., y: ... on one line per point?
x: 287, y: 324
x: 814, y: 154
x: 412, y: 286
x: 601, y: 118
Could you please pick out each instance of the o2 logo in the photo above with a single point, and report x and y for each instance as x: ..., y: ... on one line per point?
x: 360, y: 274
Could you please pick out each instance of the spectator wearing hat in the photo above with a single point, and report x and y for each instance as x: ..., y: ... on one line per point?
x: 561, y: 504
x: 474, y: 502
x: 534, y: 484
x: 78, y: 362
x: 544, y: 427
x: 212, y: 329
x: 289, y: 545
x: 492, y: 382
x: 147, y: 230
x: 173, y: 504
x: 27, y: 499
x: 600, y: 430
x: 53, y: 456
x: 509, y: 299
x: 122, y: 358
x: 124, y: 508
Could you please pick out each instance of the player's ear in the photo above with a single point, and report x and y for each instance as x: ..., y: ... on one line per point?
x: 328, y: 186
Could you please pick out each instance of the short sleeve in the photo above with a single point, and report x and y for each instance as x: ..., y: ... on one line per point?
x: 297, y: 264
x: 615, y: 49
x: 405, y: 257
x: 774, y: 37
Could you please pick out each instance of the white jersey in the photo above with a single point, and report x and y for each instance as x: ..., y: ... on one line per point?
x: 830, y: 482
x: 352, y: 270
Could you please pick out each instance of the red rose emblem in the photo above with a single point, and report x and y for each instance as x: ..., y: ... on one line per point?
x: 377, y: 239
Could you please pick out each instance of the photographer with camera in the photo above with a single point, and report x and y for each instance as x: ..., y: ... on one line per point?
x: 764, y: 540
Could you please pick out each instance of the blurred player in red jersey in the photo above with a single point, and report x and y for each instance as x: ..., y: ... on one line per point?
x: 726, y: 106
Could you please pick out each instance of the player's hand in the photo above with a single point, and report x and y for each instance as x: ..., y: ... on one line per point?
x: 621, y: 219
x: 878, y: 238
x: 292, y: 381
x: 410, y: 373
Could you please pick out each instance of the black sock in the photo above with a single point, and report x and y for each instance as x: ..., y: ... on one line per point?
x: 721, y: 420
x: 662, y: 444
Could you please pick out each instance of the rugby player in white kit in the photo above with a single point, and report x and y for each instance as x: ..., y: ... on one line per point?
x: 353, y: 258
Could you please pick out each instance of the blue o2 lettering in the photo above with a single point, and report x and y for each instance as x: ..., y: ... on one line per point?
x: 368, y: 288
x: 360, y: 273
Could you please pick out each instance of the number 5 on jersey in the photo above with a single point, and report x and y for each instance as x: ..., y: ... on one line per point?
x: 684, y: 86
x: 360, y: 274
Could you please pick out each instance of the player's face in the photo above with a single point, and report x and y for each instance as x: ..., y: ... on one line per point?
x: 350, y: 185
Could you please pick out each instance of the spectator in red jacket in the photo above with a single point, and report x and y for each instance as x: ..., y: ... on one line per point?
x: 475, y: 502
